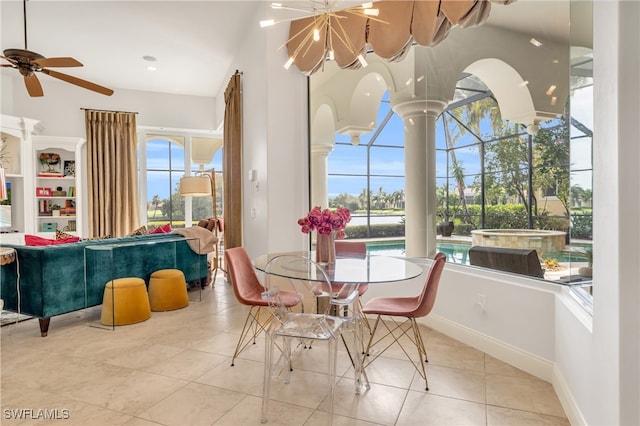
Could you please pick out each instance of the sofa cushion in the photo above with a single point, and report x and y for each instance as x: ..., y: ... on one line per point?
x: 34, y: 240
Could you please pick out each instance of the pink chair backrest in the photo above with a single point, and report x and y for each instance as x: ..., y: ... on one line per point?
x: 244, y: 280
x: 351, y: 248
x: 428, y: 296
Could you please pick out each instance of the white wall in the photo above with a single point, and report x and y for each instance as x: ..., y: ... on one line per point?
x: 274, y: 141
x: 600, y: 368
x: 60, y: 114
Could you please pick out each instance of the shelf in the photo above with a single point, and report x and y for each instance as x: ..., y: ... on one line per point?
x: 59, y: 198
x: 57, y: 177
x: 56, y: 217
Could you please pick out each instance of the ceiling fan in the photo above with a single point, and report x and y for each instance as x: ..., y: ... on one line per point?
x: 28, y: 63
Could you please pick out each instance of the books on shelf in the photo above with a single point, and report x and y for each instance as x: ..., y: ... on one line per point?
x: 50, y: 174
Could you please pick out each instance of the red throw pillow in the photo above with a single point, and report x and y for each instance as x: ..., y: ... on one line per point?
x: 164, y: 229
x: 34, y: 240
x: 66, y: 241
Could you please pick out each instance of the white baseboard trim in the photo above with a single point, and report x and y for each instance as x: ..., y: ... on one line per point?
x: 566, y: 399
x: 532, y: 364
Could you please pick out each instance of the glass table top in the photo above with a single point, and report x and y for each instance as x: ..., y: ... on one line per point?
x: 370, y: 269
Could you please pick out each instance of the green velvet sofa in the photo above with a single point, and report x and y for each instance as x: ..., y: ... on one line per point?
x: 57, y: 279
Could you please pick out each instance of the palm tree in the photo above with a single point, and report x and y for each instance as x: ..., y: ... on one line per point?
x: 155, y: 202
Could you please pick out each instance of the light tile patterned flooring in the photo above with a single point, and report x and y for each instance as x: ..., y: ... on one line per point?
x: 174, y: 369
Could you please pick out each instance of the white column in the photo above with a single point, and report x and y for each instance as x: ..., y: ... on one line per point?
x: 319, y: 175
x: 419, y: 118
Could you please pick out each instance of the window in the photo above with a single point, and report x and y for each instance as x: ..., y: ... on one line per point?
x: 164, y: 161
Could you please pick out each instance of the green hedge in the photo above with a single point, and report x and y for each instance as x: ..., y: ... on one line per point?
x: 377, y: 231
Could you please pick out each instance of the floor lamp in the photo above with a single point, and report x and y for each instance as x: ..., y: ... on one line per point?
x: 204, y: 185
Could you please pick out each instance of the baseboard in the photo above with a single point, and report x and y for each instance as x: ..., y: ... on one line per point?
x: 532, y: 364
x: 566, y: 399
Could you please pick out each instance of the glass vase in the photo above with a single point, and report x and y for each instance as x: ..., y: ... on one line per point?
x: 326, y: 249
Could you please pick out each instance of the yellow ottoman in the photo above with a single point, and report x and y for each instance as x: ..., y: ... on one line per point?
x: 168, y: 290
x: 125, y: 299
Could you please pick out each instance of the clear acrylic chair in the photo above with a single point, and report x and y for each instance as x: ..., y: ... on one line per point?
x: 410, y: 308
x: 346, y: 302
x: 313, y: 322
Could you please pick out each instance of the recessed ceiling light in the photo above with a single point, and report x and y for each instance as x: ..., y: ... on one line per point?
x: 555, y: 61
x: 149, y: 58
x: 535, y: 42
x: 152, y: 68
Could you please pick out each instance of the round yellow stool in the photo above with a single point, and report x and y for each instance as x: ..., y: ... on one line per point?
x: 125, y: 299
x: 168, y: 290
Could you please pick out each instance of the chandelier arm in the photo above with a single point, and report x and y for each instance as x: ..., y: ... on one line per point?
x: 308, y: 26
x: 301, y: 45
x: 363, y: 15
x: 309, y: 45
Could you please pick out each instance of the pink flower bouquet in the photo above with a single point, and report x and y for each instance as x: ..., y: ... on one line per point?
x: 325, y: 221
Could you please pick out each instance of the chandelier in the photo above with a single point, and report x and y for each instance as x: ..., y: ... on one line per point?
x: 387, y: 27
x: 321, y: 33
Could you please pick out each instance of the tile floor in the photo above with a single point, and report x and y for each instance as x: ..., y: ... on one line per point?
x: 174, y: 369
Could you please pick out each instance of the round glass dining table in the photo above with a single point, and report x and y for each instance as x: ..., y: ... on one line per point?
x: 347, y: 271
x: 369, y: 269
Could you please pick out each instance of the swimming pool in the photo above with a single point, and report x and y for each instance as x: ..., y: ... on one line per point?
x: 456, y: 252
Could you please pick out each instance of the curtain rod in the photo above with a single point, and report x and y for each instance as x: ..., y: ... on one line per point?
x: 106, y: 110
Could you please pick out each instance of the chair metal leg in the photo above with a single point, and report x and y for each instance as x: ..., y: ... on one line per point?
x: 397, y: 330
x: 252, y: 328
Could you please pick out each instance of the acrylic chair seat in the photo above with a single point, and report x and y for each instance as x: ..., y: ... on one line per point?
x: 249, y: 291
x: 409, y: 308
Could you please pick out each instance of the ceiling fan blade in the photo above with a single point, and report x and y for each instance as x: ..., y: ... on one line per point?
x: 33, y: 86
x: 13, y: 61
x: 79, y: 82
x: 57, y: 62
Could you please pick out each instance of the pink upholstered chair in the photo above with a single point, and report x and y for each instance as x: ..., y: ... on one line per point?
x: 410, y: 308
x: 248, y: 291
x: 346, y: 248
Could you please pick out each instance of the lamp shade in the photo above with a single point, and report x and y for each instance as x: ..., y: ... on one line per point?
x: 195, y: 186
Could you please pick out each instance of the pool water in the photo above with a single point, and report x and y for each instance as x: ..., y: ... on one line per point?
x: 456, y: 252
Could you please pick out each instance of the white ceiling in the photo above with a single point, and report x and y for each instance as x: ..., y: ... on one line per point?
x: 194, y: 41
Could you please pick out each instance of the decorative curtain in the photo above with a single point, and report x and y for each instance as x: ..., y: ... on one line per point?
x: 232, y: 162
x: 112, y: 176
